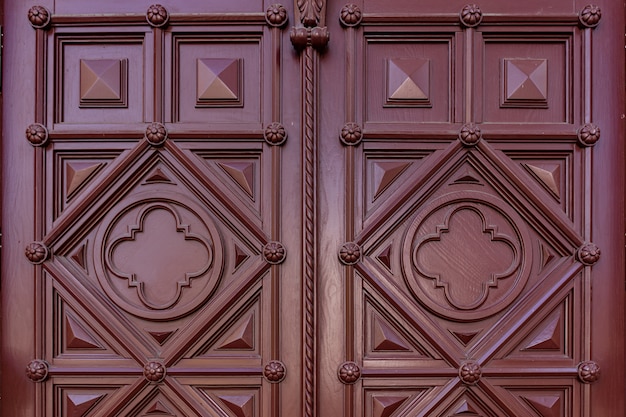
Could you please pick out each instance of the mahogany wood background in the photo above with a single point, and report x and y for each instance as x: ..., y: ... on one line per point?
x: 235, y: 214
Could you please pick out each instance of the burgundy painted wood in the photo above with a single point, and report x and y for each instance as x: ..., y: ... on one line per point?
x: 364, y: 209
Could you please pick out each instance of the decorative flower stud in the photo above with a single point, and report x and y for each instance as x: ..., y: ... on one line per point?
x: 471, y: 15
x: 36, y: 252
x: 590, y: 16
x: 351, y: 134
x: 157, y: 16
x: 349, y: 372
x: 470, y: 134
x: 350, y: 253
x: 37, y: 370
x: 39, y: 17
x: 588, y: 372
x: 274, y: 252
x: 588, y: 254
x: 37, y: 134
x: 156, y: 134
x: 274, y: 371
x: 470, y: 373
x: 350, y: 15
x: 154, y: 371
x: 588, y: 135
x: 275, y: 134
x: 276, y: 15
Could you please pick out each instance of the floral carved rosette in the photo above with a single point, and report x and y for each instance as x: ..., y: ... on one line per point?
x: 39, y: 17
x: 37, y: 370
x: 36, y: 252
x: 37, y: 134
x: 274, y: 371
x: 274, y: 252
x: 154, y: 371
x: 471, y: 15
x: 351, y: 134
x: 350, y: 15
x: 157, y: 15
x: 156, y: 134
x: 470, y: 373
x: 588, y: 372
x: 275, y: 134
x: 590, y: 15
x: 350, y: 253
x: 276, y: 15
x: 349, y: 372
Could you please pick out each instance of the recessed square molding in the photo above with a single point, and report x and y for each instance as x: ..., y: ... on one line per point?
x: 219, y: 82
x: 408, y: 82
x: 524, y: 83
x: 103, y: 83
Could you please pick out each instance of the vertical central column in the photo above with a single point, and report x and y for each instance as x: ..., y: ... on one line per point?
x: 309, y: 38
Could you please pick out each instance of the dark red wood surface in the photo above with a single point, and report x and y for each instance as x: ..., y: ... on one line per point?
x: 319, y: 209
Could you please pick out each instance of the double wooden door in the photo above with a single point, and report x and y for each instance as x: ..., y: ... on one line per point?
x: 373, y: 209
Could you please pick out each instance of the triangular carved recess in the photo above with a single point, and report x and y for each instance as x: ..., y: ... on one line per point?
x: 161, y: 337
x: 465, y: 337
x: 388, y: 336
x: 238, y: 334
x: 467, y: 176
x: 385, y: 338
x: 385, y: 405
x: 549, y: 335
x: 547, y: 255
x: 548, y: 175
x: 242, y: 172
x: 79, y: 404
x: 157, y: 175
x: 79, y: 173
x: 77, y: 337
x: 241, y: 405
x: 545, y: 404
x: 158, y: 408
x: 74, y: 333
x: 240, y: 257
x: 384, y: 173
x: 232, y: 402
x: 468, y: 406
x: 78, y: 256
x: 547, y: 338
x: 239, y: 174
x: 240, y: 337
x: 384, y: 256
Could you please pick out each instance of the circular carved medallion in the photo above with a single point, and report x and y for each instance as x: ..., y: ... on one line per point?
x: 274, y: 252
x: 275, y: 134
x: 156, y: 134
x: 158, y: 259
x: 588, y: 372
x: 37, y: 134
x: 154, y: 371
x: 36, y: 252
x: 274, y: 371
x: 37, y: 370
x: 588, y: 254
x: 349, y: 372
x: 350, y: 15
x: 157, y: 15
x: 351, y: 134
x: 588, y: 135
x: 276, y: 15
x: 471, y: 15
x: 465, y: 257
x: 590, y: 15
x: 39, y: 17
x: 470, y: 373
x: 350, y: 253
x: 470, y: 134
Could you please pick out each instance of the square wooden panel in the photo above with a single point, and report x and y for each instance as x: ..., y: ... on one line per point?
x: 100, y: 79
x: 526, y: 79
x: 217, y: 79
x: 408, y: 79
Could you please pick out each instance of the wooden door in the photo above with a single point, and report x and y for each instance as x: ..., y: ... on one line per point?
x: 366, y: 209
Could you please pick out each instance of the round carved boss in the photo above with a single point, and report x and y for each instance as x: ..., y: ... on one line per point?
x: 349, y: 372
x: 160, y: 259
x: 154, y: 371
x: 275, y: 371
x: 466, y: 256
x: 37, y: 370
